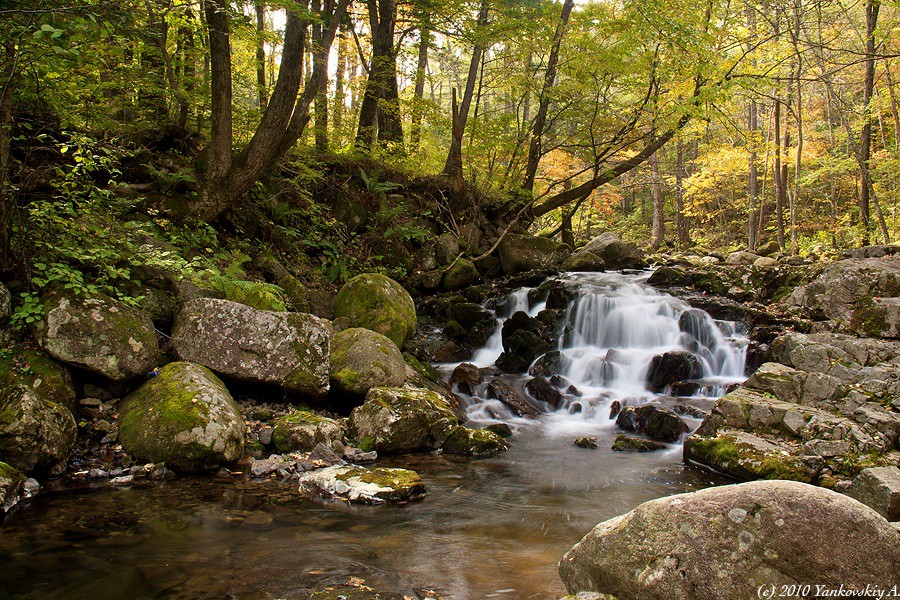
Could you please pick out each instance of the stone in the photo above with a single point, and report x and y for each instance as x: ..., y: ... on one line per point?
x: 399, y: 420
x: 524, y: 339
x: 665, y: 277
x: 746, y: 456
x: 501, y: 429
x: 615, y: 253
x: 38, y: 371
x: 765, y: 262
x: 878, y: 488
x: 446, y: 248
x: 363, y: 486
x: 5, y: 303
x: 741, y: 257
x: 654, y: 421
x: 301, y: 430
x: 379, y: 303
x: 295, y: 293
x: 11, y: 480
x: 727, y: 541
x: 184, y: 417
x: 768, y: 248
x: 35, y: 435
x: 265, y: 435
x: 474, y: 442
x: 589, y: 443
x: 584, y: 261
x: 362, y: 359
x: 672, y: 367
x: 542, y: 390
x: 523, y: 253
x: 100, y: 335
x: 547, y: 365
x: 511, y: 396
x: 466, y: 378
x: 627, y: 443
x: 289, y: 350
x: 460, y: 275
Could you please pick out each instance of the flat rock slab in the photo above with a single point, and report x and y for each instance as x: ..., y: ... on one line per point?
x: 879, y: 488
x: 363, y: 486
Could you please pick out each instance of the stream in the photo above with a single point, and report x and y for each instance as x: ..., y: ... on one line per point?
x: 489, y: 528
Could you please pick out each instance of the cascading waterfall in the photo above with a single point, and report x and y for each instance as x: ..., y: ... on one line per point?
x: 610, y: 334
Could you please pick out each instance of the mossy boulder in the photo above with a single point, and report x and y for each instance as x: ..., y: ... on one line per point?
x: 364, y: 486
x: 626, y: 443
x: 35, y: 434
x: 474, y: 442
x: 362, y: 359
x: 101, y: 335
x: 379, y: 303
x: 769, y: 248
x: 301, y: 430
x: 37, y: 370
x: 746, y: 456
x: 616, y: 254
x: 521, y: 253
x: 295, y: 293
x: 402, y: 419
x: 290, y: 350
x: 731, y: 541
x: 584, y: 261
x: 184, y: 417
x: 460, y: 275
x: 11, y: 480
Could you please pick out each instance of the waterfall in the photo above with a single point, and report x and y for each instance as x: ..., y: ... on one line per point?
x: 608, y: 338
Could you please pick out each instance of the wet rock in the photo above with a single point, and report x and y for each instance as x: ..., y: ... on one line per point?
x: 39, y: 372
x: 398, y: 420
x: 30, y: 488
x: 362, y: 359
x: 474, y: 442
x: 546, y: 365
x: 524, y: 339
x: 543, y: 391
x: 666, y: 277
x: 523, y: 253
x: 460, y: 275
x: 35, y: 434
x: 615, y: 253
x: 672, y: 367
x: 183, y: 417
x: 363, y: 486
x: 746, y: 456
x: 357, y: 456
x: 11, y: 480
x: 626, y: 443
x: 614, y: 409
x: 510, y: 395
x: 379, y: 303
x: 501, y: 429
x: 354, y: 589
x: 587, y: 442
x: 748, y: 535
x: 654, y: 421
x: 301, y: 430
x: 290, y: 350
x: 100, y: 335
x: 879, y: 488
x: 466, y: 378
x: 584, y: 261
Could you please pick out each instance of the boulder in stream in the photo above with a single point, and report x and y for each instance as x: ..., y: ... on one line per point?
x: 379, y: 303
x: 362, y: 359
x: 302, y: 430
x: 522, y: 253
x: 474, y: 442
x: 363, y: 486
x: 615, y: 253
x: 627, y: 443
x: 654, y: 421
x: 35, y: 434
x: 672, y: 367
x: 725, y: 542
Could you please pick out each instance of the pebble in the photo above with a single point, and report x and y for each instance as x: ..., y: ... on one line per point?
x: 265, y: 435
x: 124, y: 480
x: 30, y: 488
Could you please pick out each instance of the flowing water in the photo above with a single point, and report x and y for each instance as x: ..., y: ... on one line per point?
x: 491, y: 528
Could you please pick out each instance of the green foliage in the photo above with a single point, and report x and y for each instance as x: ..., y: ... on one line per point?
x: 375, y: 186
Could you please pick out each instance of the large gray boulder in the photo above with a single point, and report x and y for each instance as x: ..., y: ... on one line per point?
x: 290, y: 350
x: 726, y: 542
x: 35, y: 434
x: 379, y: 303
x: 397, y: 420
x: 879, y: 488
x: 362, y: 359
x: 521, y: 253
x: 302, y: 430
x: 101, y: 335
x: 184, y: 417
x: 615, y: 253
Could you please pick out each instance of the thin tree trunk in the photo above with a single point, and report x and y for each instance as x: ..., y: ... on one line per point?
x: 681, y: 226
x: 321, y: 102
x: 795, y: 197
x: 419, y: 96
x: 535, y: 150
x: 262, y: 91
x: 7, y: 198
x: 659, y: 216
x: 752, y: 126
x: 779, y: 192
x: 865, y: 146
x: 337, y: 112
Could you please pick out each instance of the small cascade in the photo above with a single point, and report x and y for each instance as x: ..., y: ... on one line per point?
x: 619, y: 340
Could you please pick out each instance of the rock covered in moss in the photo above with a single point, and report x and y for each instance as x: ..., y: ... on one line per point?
x: 290, y: 350
x: 363, y: 486
x: 584, y: 261
x: 101, y: 335
x: 616, y: 254
x: 295, y: 293
x: 35, y: 434
x: 11, y: 480
x: 38, y: 371
x: 626, y: 443
x: 460, y: 275
x: 379, y: 303
x: 474, y: 442
x: 301, y: 430
x: 521, y: 253
x: 184, y: 417
x: 401, y: 419
x: 362, y: 359
x: 727, y: 541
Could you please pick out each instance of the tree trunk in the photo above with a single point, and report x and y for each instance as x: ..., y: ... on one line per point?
x: 659, y: 215
x: 321, y: 103
x: 540, y: 120
x: 779, y: 183
x: 795, y: 197
x: 7, y: 198
x: 338, y: 107
x: 262, y: 92
x: 454, y: 156
x: 681, y: 227
x: 753, y: 177
x: 865, y: 145
x: 455, y: 170
x: 379, y: 116
x: 419, y: 96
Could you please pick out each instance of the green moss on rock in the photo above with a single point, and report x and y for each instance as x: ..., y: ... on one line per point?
x: 379, y: 303
x: 301, y: 430
x: 474, y: 442
x: 362, y: 359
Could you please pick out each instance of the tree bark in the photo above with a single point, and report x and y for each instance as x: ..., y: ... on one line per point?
x: 681, y: 225
x: 262, y: 92
x: 535, y: 151
x: 419, y: 95
x: 321, y: 103
x: 379, y: 116
x: 337, y: 112
x: 659, y: 215
x: 865, y: 145
x: 7, y: 198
